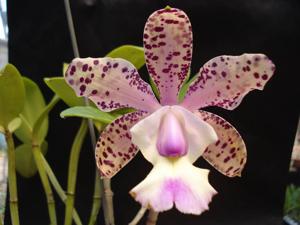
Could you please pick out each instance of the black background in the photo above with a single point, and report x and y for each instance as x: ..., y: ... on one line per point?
x: 39, y: 43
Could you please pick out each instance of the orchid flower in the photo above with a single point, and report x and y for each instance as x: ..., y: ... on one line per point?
x: 171, y: 135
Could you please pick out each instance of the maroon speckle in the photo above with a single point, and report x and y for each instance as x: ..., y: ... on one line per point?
x: 147, y: 46
x: 107, y: 93
x: 82, y: 88
x: 264, y: 77
x: 224, y: 145
x: 158, y: 29
x: 223, y: 73
x: 94, y: 92
x: 256, y: 75
x: 105, y: 68
x: 155, y: 57
x: 85, y: 67
x: 96, y: 62
x: 226, y: 159
x: 125, y: 69
x: 115, y: 65
x: 214, y: 64
x: 146, y: 36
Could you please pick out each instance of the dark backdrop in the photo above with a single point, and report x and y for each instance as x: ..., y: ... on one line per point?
x: 39, y: 42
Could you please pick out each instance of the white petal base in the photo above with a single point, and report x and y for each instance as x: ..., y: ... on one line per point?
x: 175, y: 181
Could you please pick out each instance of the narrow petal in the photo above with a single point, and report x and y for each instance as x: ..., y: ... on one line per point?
x: 228, y: 155
x: 175, y: 182
x: 114, y: 148
x: 198, y: 133
x: 110, y: 84
x: 225, y: 80
x: 168, y: 51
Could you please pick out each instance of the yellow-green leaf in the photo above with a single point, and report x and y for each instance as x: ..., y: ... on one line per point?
x: 33, y: 107
x: 25, y: 164
x: 12, y: 94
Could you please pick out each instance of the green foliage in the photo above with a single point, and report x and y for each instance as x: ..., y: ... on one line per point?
x: 14, y: 124
x: 33, y: 107
x: 25, y: 163
x: 185, y: 87
x: 12, y: 94
x: 131, y: 53
x: 292, y: 202
x: 88, y: 112
x: 59, y: 86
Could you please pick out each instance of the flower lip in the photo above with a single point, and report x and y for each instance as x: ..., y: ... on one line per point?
x: 171, y: 141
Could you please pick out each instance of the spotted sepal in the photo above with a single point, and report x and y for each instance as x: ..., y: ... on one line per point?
x: 114, y: 148
x: 228, y: 155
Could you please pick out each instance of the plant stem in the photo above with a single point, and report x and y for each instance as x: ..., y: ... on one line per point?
x: 138, y: 216
x: 45, y: 182
x: 96, y: 199
x: 152, y: 217
x: 72, y: 172
x: 58, y: 188
x: 108, y: 198
x: 12, y: 179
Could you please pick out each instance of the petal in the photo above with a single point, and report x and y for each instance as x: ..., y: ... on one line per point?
x: 168, y: 51
x: 110, y: 84
x: 114, y: 148
x: 175, y: 182
x: 228, y: 155
x: 198, y: 133
x: 225, y: 80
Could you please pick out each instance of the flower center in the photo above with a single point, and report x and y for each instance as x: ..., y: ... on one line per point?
x: 171, y: 141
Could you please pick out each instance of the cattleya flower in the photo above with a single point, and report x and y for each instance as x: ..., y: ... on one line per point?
x: 171, y: 135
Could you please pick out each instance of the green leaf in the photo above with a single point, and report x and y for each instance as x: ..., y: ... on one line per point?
x: 33, y: 107
x: 89, y: 113
x: 36, y: 138
x: 25, y: 164
x: 65, y: 67
x: 154, y: 88
x: 184, y: 88
x: 12, y: 94
x: 131, y: 53
x: 14, y: 124
x: 59, y: 86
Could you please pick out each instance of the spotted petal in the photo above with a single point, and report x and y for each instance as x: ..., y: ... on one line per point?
x: 175, y: 182
x: 198, y: 134
x: 228, y: 155
x: 168, y: 51
x: 225, y: 80
x: 110, y: 84
x: 114, y: 148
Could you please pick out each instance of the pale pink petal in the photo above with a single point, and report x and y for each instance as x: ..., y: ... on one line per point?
x: 225, y: 80
x: 198, y: 134
x: 228, y: 154
x: 168, y: 51
x: 177, y: 182
x: 110, y: 84
x: 114, y: 148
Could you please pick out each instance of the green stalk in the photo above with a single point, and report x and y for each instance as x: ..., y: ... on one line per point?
x: 58, y: 188
x: 96, y: 199
x: 12, y: 179
x: 36, y: 149
x: 72, y: 172
x: 45, y: 182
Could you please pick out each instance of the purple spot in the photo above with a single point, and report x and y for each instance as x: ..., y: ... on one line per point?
x: 85, y: 67
x: 158, y: 29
